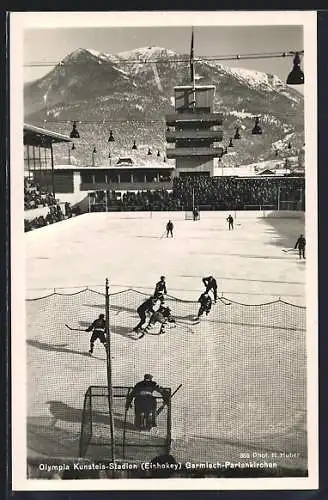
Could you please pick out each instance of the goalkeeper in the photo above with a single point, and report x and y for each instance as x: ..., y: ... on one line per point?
x: 145, y: 402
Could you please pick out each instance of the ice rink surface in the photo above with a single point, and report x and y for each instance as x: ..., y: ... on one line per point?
x: 243, y: 368
x: 248, y: 262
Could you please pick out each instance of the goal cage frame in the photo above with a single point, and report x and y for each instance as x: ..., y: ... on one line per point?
x: 89, y: 422
x: 189, y: 215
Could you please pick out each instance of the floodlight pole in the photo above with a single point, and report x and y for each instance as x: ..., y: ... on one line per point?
x: 52, y: 171
x: 192, y: 68
x: 109, y: 373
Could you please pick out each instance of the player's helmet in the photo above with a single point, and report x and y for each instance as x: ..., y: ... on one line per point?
x: 162, y: 277
x: 147, y: 376
x: 101, y: 316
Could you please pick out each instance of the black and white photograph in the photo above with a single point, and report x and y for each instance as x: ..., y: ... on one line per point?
x: 164, y: 250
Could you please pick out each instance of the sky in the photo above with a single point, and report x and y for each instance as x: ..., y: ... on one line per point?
x: 51, y: 45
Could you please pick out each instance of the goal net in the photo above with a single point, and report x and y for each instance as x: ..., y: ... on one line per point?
x: 130, y: 442
x: 190, y: 215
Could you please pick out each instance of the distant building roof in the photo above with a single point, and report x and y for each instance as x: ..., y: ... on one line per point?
x: 266, y: 172
x: 125, y: 161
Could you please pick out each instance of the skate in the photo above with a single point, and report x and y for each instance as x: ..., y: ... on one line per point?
x: 141, y: 332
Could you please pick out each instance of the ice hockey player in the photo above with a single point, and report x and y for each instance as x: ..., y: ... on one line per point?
x: 160, y: 290
x: 98, y: 331
x: 145, y: 402
x: 169, y: 229
x: 230, y: 221
x: 300, y: 244
x: 195, y: 213
x: 163, y: 316
x: 211, y: 285
x: 147, y: 307
x: 205, y: 305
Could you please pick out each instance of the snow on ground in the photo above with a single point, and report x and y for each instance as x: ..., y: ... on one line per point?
x: 242, y: 370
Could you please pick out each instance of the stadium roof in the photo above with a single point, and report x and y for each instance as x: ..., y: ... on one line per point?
x: 115, y: 168
x: 37, y: 136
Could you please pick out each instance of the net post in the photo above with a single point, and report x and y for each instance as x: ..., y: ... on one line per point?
x: 109, y: 372
x: 169, y: 426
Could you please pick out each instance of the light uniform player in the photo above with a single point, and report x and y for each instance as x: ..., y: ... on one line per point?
x: 162, y: 316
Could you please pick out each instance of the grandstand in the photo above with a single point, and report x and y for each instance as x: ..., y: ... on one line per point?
x: 40, y: 203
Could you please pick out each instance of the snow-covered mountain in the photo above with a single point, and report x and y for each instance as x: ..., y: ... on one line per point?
x: 130, y: 92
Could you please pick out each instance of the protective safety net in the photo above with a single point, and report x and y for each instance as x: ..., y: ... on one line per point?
x: 242, y: 370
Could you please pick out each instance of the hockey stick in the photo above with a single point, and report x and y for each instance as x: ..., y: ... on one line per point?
x: 74, y: 329
x: 161, y: 408
x: 286, y: 250
x: 162, y: 235
x: 224, y: 301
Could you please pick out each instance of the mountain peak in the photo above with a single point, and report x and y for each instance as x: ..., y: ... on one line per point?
x: 147, y: 53
x: 87, y: 54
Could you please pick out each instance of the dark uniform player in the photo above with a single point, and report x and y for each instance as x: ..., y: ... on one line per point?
x: 146, y: 307
x: 162, y: 315
x: 195, y: 213
x: 300, y: 244
x: 98, y: 331
x: 230, y: 221
x: 169, y: 229
x: 205, y: 304
x: 145, y: 402
x: 211, y: 284
x: 160, y: 290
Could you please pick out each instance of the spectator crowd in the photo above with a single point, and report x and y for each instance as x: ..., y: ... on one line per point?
x: 207, y: 193
x: 212, y: 193
x: 36, y: 196
x: 225, y: 193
